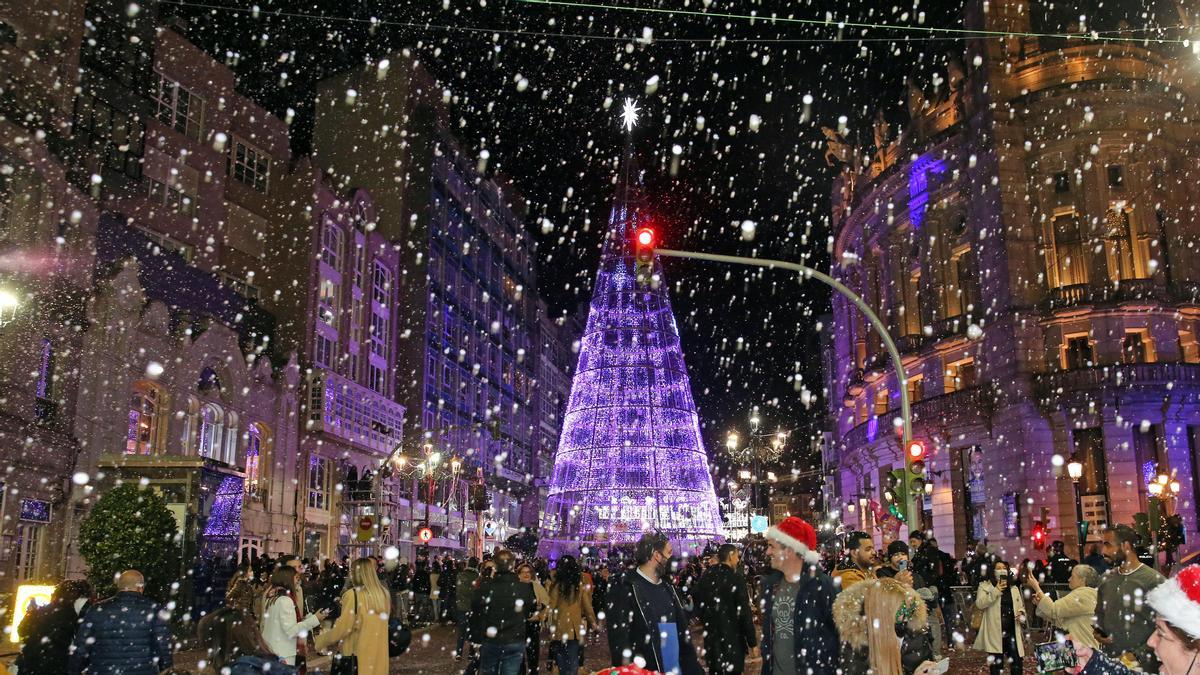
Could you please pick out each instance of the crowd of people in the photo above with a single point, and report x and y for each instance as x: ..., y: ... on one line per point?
x: 791, y: 607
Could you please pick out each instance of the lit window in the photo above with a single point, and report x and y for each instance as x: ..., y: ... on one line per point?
x: 209, y: 441
x: 323, y: 351
x: 179, y: 108
x: 1068, y: 255
x: 1077, y: 352
x: 249, y: 165
x: 1136, y: 347
x: 881, y: 401
x: 379, y: 334
x: 144, y: 420
x: 375, y: 379
x: 916, y: 388
x: 382, y: 284
x: 327, y: 301
x: 254, y: 446
x: 319, y: 476
x: 331, y: 246
x: 960, y: 375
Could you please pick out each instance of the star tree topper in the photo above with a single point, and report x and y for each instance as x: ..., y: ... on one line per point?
x: 629, y: 114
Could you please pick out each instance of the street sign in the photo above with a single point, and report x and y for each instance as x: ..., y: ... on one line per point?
x: 489, y: 528
x: 366, y: 528
x: 758, y: 524
x: 424, y: 534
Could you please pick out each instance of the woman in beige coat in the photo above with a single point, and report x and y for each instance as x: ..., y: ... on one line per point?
x: 1074, y: 612
x: 1000, y: 632
x: 570, y: 615
x: 362, y: 627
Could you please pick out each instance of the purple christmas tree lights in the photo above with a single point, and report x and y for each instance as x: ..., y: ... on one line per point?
x: 630, y: 458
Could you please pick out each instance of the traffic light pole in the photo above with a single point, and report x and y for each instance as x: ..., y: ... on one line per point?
x: 902, y: 377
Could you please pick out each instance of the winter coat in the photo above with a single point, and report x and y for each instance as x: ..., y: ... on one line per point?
x: 464, y: 591
x: 280, y: 629
x: 1103, y: 664
x: 362, y: 628
x: 990, y: 638
x: 847, y: 576
x: 126, y: 634
x: 723, y: 606
x: 816, y: 640
x: 568, y: 618
x: 499, y: 610
x: 47, y: 633
x: 1073, y: 614
x: 916, y: 643
x: 422, y: 582
x: 630, y: 633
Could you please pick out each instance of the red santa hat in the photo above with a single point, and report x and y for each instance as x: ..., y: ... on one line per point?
x: 797, y: 535
x: 1177, y: 600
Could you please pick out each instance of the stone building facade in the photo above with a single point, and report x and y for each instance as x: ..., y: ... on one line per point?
x: 1030, y: 242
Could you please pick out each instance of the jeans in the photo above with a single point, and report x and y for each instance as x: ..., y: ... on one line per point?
x: 567, y: 657
x: 501, y: 659
x: 533, y: 646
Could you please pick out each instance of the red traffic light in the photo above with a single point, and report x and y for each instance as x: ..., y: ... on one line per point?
x: 916, y: 451
x: 645, y: 238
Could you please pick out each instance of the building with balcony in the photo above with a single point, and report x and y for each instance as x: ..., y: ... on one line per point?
x: 1029, y: 242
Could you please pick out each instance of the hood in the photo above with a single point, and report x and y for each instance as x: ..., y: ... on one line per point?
x: 848, y: 611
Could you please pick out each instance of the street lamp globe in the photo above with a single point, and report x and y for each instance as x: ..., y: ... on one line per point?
x: 731, y: 442
x: 455, y: 465
x: 1174, y: 487
x: 8, y: 307
x: 1075, y: 469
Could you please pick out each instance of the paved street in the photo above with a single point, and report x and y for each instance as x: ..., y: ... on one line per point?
x: 431, y: 654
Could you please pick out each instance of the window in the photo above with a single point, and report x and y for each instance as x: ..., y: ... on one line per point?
x: 249, y: 165
x: 29, y: 550
x: 171, y: 197
x: 974, y: 492
x: 1089, y: 450
x: 115, y: 135
x: 1127, y: 247
x: 331, y: 246
x: 1116, y: 175
x: 379, y: 334
x: 327, y: 301
x: 1068, y: 255
x: 319, y: 476
x: 360, y: 255
x: 323, y: 352
x: 910, y: 308
x: 382, y: 284
x: 254, y: 448
x: 881, y: 401
x: 960, y: 375
x: 965, y: 297
x: 375, y: 379
x: 209, y: 440
x: 179, y: 108
x: 1136, y: 348
x: 166, y: 244
x: 44, y: 390
x: 144, y: 420
x: 1062, y: 182
x: 916, y: 388
x: 1189, y: 350
x: 1077, y: 352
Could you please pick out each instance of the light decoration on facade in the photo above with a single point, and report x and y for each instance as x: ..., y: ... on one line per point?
x: 920, y: 185
x: 225, y: 518
x: 630, y: 457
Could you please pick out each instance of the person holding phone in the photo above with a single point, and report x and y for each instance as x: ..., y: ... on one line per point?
x: 1074, y: 612
x: 1000, y: 632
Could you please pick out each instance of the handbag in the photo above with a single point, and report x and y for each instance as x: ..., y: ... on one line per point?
x: 347, y: 664
x: 976, y: 618
x: 399, y: 637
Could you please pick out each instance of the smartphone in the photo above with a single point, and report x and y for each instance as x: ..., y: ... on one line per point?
x: 943, y: 666
x: 903, y: 565
x: 1055, y: 656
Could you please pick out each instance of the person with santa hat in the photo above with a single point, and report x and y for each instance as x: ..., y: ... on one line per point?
x: 1176, y: 636
x: 799, y: 635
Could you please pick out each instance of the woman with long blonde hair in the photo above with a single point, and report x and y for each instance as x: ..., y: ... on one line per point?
x: 885, y: 626
x: 362, y: 627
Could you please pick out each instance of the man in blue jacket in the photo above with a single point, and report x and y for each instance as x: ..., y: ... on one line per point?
x: 798, y: 631
x: 126, y: 634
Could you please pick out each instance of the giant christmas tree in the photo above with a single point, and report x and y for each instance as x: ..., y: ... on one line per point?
x: 630, y: 458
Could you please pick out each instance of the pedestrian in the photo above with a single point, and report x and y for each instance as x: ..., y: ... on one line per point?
x: 799, y: 635
x: 1123, y: 618
x: 945, y: 579
x: 46, y: 632
x: 1176, y: 637
x: 1095, y: 559
x: 859, y: 563
x: 435, y: 591
x: 126, y: 634
x: 723, y: 604
x: 647, y: 624
x: 285, y: 627
x: 570, y: 615
x: 1000, y: 631
x: 884, y: 626
x: 533, y: 624
x: 600, y: 585
x: 1059, y: 566
x: 401, y: 593
x: 293, y: 562
x: 422, y: 587
x: 446, y: 585
x: 362, y: 627
x: 232, y: 640
x: 898, y: 566
x: 465, y: 589
x: 498, y: 614
x: 1074, y: 612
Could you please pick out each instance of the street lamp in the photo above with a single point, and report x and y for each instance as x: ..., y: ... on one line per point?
x: 1075, y: 471
x: 731, y: 443
x: 9, y: 304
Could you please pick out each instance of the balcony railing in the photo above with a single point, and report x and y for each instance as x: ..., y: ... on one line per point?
x: 965, y: 403
x: 1115, y: 375
x: 1095, y: 294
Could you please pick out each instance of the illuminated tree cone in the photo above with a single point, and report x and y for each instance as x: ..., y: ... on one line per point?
x: 630, y: 458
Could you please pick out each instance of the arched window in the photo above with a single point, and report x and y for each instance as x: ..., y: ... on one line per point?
x: 255, y: 449
x: 209, y: 439
x: 145, y: 420
x: 331, y: 246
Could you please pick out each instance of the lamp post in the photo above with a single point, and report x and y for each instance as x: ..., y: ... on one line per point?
x: 755, y: 451
x: 1075, y: 471
x: 9, y: 304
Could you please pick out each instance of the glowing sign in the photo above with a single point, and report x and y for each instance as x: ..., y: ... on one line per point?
x: 425, y: 535
x: 758, y: 524
x: 28, y: 597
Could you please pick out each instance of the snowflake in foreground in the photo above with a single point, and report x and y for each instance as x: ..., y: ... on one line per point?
x: 629, y: 114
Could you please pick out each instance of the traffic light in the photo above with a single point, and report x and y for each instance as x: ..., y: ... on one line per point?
x: 916, y: 457
x: 1038, y: 535
x: 893, y: 492
x: 643, y: 255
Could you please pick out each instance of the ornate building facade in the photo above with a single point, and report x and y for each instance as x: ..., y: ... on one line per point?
x: 1031, y: 242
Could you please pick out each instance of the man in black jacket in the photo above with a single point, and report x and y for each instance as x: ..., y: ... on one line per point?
x: 799, y: 635
x: 126, y: 634
x: 498, y: 614
x: 647, y: 625
x: 724, y: 606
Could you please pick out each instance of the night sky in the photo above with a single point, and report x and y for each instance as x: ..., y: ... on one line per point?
x: 540, y: 87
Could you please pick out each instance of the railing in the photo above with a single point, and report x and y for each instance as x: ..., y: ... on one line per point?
x: 1115, y: 375
x: 972, y: 402
x: 1094, y: 294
